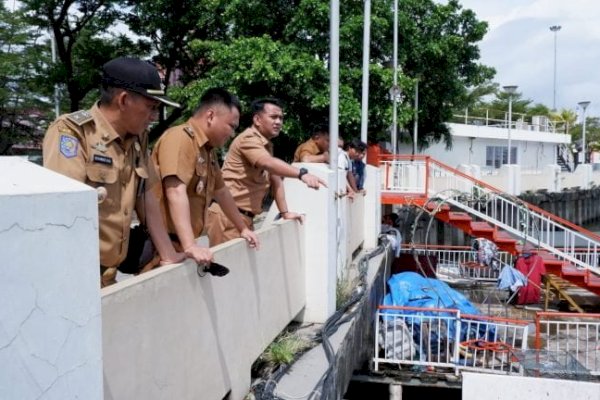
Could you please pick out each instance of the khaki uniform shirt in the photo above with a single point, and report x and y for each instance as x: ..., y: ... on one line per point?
x: 308, y: 148
x: 84, y: 146
x: 183, y: 151
x: 247, y: 183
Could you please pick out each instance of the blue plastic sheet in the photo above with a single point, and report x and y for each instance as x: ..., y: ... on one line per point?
x: 413, y: 290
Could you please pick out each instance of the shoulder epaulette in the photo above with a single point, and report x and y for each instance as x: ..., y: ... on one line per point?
x: 80, y: 117
x: 189, y: 131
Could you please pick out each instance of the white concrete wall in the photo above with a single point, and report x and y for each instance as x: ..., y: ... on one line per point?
x: 372, y: 204
x: 171, y: 334
x: 534, y: 149
x: 500, y: 387
x: 582, y: 177
x: 50, y: 328
x: 320, y: 230
x: 355, y: 221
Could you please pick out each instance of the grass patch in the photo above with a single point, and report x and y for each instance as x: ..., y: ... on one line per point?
x: 284, y: 350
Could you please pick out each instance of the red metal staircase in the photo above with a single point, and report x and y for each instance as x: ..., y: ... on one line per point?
x: 481, y: 210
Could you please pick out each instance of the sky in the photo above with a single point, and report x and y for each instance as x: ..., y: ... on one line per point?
x: 520, y: 46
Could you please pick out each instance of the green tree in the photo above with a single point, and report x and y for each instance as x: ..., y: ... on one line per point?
x: 565, y: 118
x: 592, y: 132
x: 22, y: 105
x: 83, y: 44
x: 281, y: 48
x: 438, y: 46
x: 168, y: 28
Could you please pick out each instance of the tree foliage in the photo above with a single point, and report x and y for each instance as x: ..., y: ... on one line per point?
x: 83, y: 43
x: 281, y: 48
x: 22, y: 104
x: 277, y: 48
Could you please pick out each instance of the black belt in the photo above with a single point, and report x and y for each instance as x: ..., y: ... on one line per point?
x: 247, y: 213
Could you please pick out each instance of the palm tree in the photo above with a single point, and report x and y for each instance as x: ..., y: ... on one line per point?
x: 565, y: 116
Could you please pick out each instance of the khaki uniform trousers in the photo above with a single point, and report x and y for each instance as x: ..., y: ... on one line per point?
x: 219, y: 228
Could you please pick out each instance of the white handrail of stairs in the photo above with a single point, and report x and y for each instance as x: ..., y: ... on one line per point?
x: 520, y: 219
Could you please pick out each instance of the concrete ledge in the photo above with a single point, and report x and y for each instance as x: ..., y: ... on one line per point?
x: 171, y: 334
x: 352, y: 344
x: 498, y: 387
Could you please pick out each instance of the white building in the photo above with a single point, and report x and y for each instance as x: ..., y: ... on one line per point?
x: 533, y: 146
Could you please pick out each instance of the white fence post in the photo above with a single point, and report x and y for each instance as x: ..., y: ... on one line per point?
x: 50, y: 326
x: 320, y: 228
x: 372, y: 209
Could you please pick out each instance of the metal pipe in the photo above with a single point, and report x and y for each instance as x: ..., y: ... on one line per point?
x: 584, y: 105
x: 416, y: 122
x: 555, y: 29
x: 56, y: 90
x: 395, y: 86
x: 334, y: 85
x: 364, y: 120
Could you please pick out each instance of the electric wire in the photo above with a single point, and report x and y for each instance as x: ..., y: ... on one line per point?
x: 268, y: 390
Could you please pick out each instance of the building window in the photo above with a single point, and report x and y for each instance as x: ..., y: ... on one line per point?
x: 496, y: 156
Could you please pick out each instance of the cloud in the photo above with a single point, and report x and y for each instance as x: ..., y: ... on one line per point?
x: 520, y: 46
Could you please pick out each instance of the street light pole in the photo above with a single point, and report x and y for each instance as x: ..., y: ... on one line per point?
x: 583, y: 105
x: 510, y: 90
x: 394, y: 90
x: 364, y: 120
x: 555, y: 29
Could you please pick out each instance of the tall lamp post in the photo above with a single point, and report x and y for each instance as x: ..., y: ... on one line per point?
x: 394, y: 92
x: 555, y: 29
x: 510, y: 90
x: 583, y: 105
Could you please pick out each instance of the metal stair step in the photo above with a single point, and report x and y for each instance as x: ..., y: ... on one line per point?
x: 457, y: 216
x: 571, y: 270
x: 592, y: 280
x: 481, y: 226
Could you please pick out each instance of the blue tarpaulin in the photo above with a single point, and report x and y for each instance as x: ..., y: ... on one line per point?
x: 414, y: 290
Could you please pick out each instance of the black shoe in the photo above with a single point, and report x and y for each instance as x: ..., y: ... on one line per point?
x: 216, y: 269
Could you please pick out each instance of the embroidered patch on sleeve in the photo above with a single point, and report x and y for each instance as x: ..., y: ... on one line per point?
x: 68, y: 146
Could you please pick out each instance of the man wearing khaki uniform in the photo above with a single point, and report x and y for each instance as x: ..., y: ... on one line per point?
x: 315, y: 149
x: 106, y: 148
x: 187, y: 163
x: 250, y: 170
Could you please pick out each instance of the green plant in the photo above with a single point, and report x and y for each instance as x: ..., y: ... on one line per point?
x: 344, y: 288
x: 284, y: 349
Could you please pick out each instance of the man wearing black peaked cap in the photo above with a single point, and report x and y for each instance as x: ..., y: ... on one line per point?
x: 106, y: 147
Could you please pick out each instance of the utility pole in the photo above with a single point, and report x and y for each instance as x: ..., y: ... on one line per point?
x: 364, y: 120
x: 584, y: 105
x: 555, y: 29
x: 395, y: 90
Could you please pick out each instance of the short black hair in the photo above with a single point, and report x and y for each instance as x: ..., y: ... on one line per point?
x: 258, y: 105
x: 108, y: 93
x: 320, y: 129
x: 216, y: 96
x: 356, y: 144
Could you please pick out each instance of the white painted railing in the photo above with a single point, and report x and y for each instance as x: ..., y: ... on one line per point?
x: 574, y: 334
x: 434, y: 338
x: 524, y: 221
x: 457, y: 262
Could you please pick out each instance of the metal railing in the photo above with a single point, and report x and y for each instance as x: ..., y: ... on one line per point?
x: 428, y: 338
x: 575, y: 334
x: 443, y: 184
x: 489, y: 343
x: 458, y: 262
x: 489, y: 117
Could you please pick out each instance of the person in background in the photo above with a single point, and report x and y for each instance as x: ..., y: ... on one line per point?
x: 315, y: 149
x: 187, y: 163
x: 106, y: 148
x: 359, y: 171
x: 250, y: 170
x: 355, y: 150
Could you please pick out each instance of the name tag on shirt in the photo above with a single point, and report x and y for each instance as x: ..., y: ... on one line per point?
x: 102, y: 159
